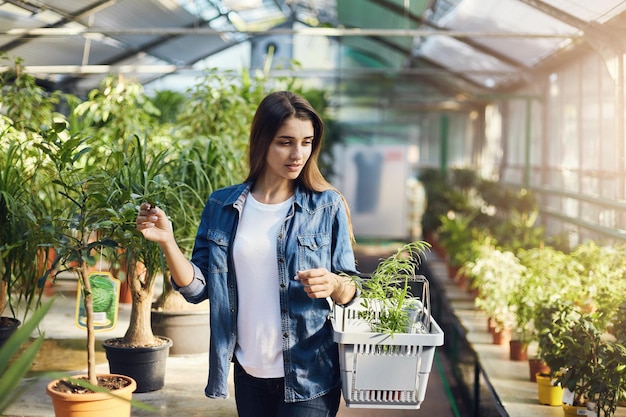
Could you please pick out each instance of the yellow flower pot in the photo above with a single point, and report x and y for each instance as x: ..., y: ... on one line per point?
x: 574, y: 410
x: 548, y: 394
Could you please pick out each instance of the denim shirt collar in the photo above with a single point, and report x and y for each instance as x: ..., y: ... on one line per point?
x: 238, y: 197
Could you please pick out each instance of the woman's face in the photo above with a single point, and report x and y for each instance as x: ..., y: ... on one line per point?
x: 290, y: 149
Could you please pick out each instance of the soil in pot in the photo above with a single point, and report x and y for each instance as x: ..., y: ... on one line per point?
x: 71, y: 400
x: 109, y: 382
x: 145, y: 364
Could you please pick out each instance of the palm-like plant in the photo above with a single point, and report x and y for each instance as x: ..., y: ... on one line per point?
x: 138, y: 176
x: 19, y: 243
x: 25, y: 107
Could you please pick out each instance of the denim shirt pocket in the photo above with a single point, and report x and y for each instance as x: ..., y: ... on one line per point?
x: 314, y: 251
x: 218, y: 242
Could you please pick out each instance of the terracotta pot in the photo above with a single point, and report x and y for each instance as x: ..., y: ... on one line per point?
x: 536, y: 366
x: 518, y: 350
x: 547, y: 393
x: 126, y: 297
x: 97, y: 404
x: 453, y: 271
x: 501, y: 336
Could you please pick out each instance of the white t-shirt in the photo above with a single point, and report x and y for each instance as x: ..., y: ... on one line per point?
x: 259, y: 340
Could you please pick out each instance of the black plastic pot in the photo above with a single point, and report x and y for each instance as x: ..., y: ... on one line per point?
x: 8, y: 325
x: 146, y: 365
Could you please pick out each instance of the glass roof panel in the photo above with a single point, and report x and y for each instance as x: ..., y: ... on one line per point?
x: 509, y: 16
x: 588, y: 10
x: 461, y: 58
x: 491, y: 42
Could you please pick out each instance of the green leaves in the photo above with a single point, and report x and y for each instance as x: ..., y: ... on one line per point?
x: 13, y: 368
x: 385, y: 293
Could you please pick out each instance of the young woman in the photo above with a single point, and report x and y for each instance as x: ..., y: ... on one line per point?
x: 268, y: 254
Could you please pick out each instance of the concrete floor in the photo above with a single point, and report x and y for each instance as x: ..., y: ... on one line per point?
x: 186, y: 376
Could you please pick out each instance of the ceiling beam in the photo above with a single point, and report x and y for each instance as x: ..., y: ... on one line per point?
x: 310, y: 31
x: 311, y: 72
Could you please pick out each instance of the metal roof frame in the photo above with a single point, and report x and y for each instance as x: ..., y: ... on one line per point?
x: 430, y: 41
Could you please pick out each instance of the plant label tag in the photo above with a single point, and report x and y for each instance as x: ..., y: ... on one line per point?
x: 105, y: 290
x: 568, y: 397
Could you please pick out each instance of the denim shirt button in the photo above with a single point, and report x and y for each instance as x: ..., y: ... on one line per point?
x: 281, y: 260
x: 282, y: 285
x: 285, y: 335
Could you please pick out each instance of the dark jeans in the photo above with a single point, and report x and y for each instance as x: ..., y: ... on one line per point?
x: 261, y: 397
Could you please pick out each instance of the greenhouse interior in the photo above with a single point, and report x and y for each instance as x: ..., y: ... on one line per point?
x: 488, y: 134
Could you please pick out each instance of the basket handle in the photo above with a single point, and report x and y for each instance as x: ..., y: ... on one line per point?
x: 425, y: 316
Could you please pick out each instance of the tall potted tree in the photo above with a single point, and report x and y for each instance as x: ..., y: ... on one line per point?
x: 138, y: 176
x: 78, y: 226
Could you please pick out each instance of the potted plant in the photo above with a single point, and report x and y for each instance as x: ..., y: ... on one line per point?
x: 387, y: 337
x: 117, y: 115
x: 19, y: 246
x: 437, y: 204
x: 23, y: 111
x: 77, y: 227
x: 496, y: 274
x: 138, y: 176
x: 550, y: 275
x: 456, y: 234
x: 589, y: 365
x: 601, y: 276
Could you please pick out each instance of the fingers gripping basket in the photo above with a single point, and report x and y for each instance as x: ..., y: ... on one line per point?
x: 380, y: 370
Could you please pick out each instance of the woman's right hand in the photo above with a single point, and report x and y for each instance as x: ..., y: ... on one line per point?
x: 153, y: 223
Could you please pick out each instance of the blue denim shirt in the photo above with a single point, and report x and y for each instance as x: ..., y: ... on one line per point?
x: 314, y: 235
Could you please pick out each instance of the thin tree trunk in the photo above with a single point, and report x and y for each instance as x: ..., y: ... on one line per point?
x: 4, y: 287
x: 91, y: 334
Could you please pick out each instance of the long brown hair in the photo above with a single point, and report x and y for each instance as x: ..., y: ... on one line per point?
x: 272, y: 112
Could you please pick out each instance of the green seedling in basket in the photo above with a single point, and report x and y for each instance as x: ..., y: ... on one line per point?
x: 386, y: 295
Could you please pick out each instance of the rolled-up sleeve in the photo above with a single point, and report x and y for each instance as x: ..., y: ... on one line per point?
x: 196, y: 291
